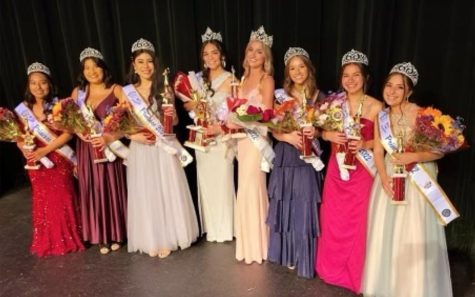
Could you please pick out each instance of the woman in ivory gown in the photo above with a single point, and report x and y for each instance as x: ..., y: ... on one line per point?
x: 216, y: 200
x: 406, y: 249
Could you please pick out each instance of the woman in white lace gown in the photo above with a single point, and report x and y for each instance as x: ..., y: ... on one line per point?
x: 161, y: 215
x: 215, y: 169
x: 406, y: 251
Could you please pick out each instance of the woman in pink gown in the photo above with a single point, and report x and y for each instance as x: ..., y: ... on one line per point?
x: 341, y: 246
x: 252, y: 234
x: 54, y: 201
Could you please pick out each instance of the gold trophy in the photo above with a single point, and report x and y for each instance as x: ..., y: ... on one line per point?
x: 399, y: 176
x: 29, y: 145
x: 167, y: 119
x: 197, y: 138
x: 99, y: 156
x: 354, y: 135
x: 306, y: 150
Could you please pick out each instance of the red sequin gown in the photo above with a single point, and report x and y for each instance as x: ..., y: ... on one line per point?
x: 55, y: 213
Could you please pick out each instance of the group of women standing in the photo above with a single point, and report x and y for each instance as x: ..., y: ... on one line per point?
x: 361, y: 241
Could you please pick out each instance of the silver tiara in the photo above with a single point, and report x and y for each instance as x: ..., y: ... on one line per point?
x: 354, y: 57
x: 38, y: 67
x: 295, y: 51
x: 261, y: 36
x: 90, y: 52
x: 142, y: 44
x: 407, y: 69
x: 210, y: 35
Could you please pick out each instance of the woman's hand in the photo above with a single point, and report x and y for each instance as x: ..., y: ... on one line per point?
x: 387, y: 183
x: 144, y: 138
x: 99, y: 142
x: 37, y: 154
x: 335, y: 137
x: 190, y: 105
x: 309, y: 132
x: 213, y: 130
x: 294, y: 138
x: 84, y: 138
x: 355, y: 145
x: 404, y: 158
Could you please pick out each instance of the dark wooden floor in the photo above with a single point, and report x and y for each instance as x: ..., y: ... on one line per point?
x: 205, y: 269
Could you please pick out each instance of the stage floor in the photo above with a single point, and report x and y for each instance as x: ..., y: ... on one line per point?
x: 205, y: 269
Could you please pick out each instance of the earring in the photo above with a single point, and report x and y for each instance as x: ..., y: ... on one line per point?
x: 223, y: 62
x: 205, y: 66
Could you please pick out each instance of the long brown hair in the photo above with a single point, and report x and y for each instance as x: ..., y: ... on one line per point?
x: 30, y: 99
x: 204, y: 70
x: 310, y: 82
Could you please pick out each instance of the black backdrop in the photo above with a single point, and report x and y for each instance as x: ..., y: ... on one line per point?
x: 436, y: 35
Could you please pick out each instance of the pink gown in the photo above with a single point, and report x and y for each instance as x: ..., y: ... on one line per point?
x: 343, y: 217
x: 252, y: 233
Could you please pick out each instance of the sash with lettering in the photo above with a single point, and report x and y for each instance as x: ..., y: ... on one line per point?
x: 152, y: 123
x: 427, y: 185
x: 264, y: 147
x: 113, y: 149
x: 44, y: 134
x: 365, y: 156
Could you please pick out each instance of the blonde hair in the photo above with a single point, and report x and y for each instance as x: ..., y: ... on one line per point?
x: 268, y: 66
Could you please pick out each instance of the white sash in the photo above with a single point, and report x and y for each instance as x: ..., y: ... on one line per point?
x: 152, y: 123
x: 44, y: 134
x: 427, y: 185
x: 365, y: 156
x: 263, y: 146
x: 113, y: 149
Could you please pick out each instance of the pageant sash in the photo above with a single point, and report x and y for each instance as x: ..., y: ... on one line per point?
x: 263, y: 146
x: 44, y: 134
x: 116, y: 148
x: 365, y: 156
x: 152, y: 123
x: 419, y: 175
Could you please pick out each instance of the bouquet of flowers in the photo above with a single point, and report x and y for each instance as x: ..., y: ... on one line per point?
x: 249, y: 113
x: 185, y: 85
x: 67, y: 116
x: 9, y: 127
x: 328, y: 114
x: 121, y: 121
x: 437, y: 132
x: 284, y: 119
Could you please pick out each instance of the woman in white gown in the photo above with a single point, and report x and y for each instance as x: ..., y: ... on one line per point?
x: 216, y: 199
x: 406, y: 249
x: 161, y: 215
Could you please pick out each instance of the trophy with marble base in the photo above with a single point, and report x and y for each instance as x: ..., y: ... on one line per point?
x: 197, y: 137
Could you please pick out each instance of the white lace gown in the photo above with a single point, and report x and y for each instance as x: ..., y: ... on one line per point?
x: 161, y: 214
x: 215, y: 179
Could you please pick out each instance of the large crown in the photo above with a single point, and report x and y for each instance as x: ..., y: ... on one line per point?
x: 261, y: 36
x: 407, y: 69
x: 90, y: 52
x: 210, y: 35
x: 142, y: 44
x: 295, y: 51
x: 38, y: 67
x: 354, y: 57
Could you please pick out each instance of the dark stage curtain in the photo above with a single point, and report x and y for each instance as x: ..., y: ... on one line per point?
x: 437, y: 36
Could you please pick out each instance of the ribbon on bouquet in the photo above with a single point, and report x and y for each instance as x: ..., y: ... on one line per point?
x: 419, y: 175
x: 365, y: 156
x: 152, y: 123
x: 44, y: 134
x: 113, y: 149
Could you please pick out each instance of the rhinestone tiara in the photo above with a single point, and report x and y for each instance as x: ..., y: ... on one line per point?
x: 90, y: 52
x: 354, y: 56
x: 142, y: 44
x: 294, y: 51
x: 210, y: 35
x: 261, y: 36
x: 407, y: 69
x: 38, y: 67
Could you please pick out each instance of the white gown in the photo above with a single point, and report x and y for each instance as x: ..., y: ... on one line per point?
x: 215, y: 179
x: 161, y: 214
x: 406, y: 252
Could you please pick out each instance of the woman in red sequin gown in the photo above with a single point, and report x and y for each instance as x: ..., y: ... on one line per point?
x: 55, y: 221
